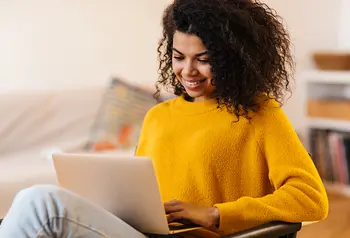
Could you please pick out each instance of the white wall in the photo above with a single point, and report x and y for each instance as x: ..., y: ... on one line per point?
x: 81, y: 43
x: 344, y: 26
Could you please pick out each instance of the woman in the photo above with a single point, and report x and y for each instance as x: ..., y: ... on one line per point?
x: 226, y: 156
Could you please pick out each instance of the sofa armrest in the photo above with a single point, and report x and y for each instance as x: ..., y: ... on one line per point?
x: 272, y: 229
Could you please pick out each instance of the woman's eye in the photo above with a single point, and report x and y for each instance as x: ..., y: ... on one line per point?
x: 204, y: 60
x: 178, y: 58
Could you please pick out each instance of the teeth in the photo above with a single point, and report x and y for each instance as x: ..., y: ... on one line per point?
x: 192, y: 83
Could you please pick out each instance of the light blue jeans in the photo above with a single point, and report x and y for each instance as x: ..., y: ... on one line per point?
x: 44, y: 211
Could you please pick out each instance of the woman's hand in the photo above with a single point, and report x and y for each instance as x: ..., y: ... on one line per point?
x: 203, y: 216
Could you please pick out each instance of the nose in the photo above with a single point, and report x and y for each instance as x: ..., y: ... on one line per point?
x: 189, y: 68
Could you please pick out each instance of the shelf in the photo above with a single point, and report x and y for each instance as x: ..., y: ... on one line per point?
x: 328, y: 77
x: 337, y: 188
x: 321, y: 123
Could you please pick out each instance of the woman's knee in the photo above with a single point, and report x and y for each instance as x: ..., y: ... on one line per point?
x: 39, y: 191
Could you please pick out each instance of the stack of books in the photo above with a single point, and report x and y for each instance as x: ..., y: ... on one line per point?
x: 330, y: 152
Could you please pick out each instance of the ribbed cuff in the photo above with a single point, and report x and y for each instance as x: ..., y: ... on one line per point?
x: 228, y: 217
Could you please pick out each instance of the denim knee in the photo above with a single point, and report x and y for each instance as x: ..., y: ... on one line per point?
x: 38, y: 191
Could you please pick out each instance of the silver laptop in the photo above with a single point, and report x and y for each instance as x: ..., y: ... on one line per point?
x: 123, y: 185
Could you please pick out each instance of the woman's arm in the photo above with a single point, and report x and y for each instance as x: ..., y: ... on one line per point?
x: 299, y: 192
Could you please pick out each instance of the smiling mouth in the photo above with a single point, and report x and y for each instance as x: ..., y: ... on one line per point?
x: 194, y: 83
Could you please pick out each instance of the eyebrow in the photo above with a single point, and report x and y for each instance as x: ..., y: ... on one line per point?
x: 199, y: 54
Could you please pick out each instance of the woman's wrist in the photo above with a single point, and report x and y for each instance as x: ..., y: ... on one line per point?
x: 215, y: 214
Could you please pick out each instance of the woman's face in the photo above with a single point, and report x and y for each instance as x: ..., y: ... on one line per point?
x: 191, y: 65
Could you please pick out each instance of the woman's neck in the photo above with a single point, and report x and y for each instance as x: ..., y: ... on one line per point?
x: 191, y: 99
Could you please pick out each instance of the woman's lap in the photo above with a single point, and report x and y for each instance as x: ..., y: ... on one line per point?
x: 50, y: 211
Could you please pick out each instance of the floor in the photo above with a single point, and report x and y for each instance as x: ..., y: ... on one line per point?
x: 337, y: 224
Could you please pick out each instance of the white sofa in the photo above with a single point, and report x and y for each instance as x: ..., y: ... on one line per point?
x: 33, y: 124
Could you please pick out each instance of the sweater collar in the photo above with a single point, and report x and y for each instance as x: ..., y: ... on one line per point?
x: 184, y: 106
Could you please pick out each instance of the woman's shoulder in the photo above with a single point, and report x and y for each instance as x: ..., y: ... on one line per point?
x: 271, y: 118
x: 269, y: 105
x: 270, y: 111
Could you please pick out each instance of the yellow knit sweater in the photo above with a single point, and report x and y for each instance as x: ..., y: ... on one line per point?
x: 253, y: 172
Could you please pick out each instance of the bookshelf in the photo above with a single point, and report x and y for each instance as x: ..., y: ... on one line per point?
x: 326, y: 103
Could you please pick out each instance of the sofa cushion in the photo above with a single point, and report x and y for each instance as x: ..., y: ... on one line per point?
x: 121, y: 113
x: 46, y: 119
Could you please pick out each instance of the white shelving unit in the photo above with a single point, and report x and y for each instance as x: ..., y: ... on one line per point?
x: 328, y: 77
x: 329, y: 80
x: 321, y: 123
x: 340, y: 79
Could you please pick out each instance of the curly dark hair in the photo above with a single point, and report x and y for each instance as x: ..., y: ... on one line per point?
x: 248, y: 45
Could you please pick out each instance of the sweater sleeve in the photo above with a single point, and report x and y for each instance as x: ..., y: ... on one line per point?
x: 299, y: 194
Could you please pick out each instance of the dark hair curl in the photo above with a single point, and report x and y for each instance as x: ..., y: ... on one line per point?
x: 249, y: 50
